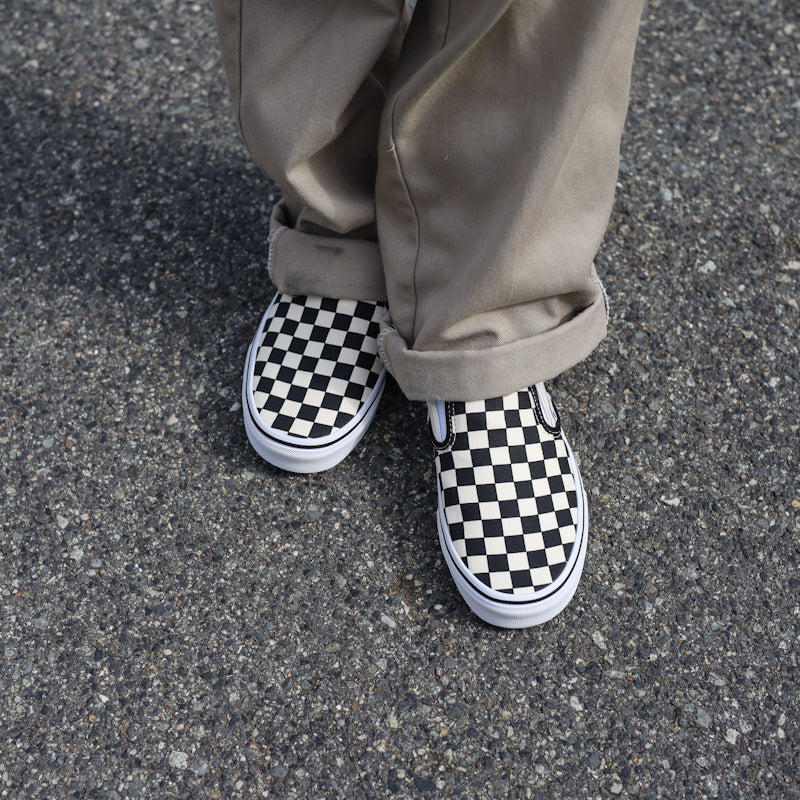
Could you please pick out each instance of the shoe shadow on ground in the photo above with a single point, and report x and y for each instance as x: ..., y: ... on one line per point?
x: 95, y: 202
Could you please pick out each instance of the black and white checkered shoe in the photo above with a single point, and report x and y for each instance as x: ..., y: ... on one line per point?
x: 512, y: 512
x: 312, y: 381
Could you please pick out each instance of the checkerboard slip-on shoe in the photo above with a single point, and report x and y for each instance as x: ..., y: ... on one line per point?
x: 312, y: 380
x: 512, y: 514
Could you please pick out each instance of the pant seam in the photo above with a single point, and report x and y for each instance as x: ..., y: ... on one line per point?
x: 239, y: 119
x: 413, y: 211
x: 408, y: 190
x: 384, y: 356
x: 272, y: 240
x: 605, y: 298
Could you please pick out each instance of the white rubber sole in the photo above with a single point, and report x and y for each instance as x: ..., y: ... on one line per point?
x: 520, y: 611
x: 297, y: 454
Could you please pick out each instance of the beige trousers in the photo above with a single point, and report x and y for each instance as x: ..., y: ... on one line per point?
x: 461, y: 167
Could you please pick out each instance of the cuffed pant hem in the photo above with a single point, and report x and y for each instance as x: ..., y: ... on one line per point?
x: 324, y: 266
x: 497, y: 371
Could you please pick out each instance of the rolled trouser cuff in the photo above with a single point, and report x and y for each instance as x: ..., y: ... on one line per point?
x: 460, y: 375
x: 324, y: 266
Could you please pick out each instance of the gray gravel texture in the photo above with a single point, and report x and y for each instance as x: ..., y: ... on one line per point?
x: 180, y: 620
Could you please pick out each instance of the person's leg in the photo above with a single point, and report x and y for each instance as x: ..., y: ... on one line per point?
x: 497, y: 152
x: 308, y: 80
x: 498, y: 160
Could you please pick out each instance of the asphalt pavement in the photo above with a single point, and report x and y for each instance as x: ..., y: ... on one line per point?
x: 180, y: 620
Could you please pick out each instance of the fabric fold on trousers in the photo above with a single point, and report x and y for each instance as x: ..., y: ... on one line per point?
x: 505, y: 367
x: 465, y: 176
x: 323, y: 266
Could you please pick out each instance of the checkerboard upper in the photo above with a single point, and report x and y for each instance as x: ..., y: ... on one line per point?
x: 317, y: 363
x: 508, y: 492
